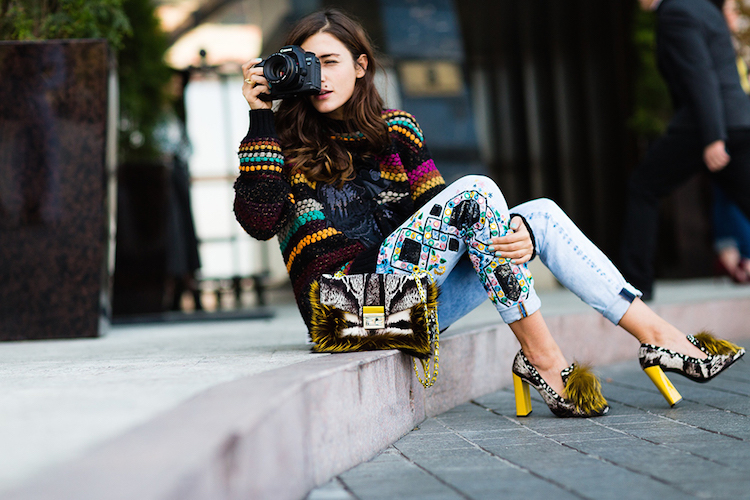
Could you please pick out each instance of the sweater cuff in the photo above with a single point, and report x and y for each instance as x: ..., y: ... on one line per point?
x: 261, y: 123
x: 531, y: 233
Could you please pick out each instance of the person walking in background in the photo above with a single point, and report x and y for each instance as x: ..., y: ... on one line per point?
x: 349, y: 186
x: 730, y: 226
x: 710, y: 129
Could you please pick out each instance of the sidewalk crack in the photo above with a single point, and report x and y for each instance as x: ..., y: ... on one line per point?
x: 587, y: 454
x: 511, y: 463
x: 636, y: 388
x: 346, y: 487
x: 433, y: 475
x: 665, y: 445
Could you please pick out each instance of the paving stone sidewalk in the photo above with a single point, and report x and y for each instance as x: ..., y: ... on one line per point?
x: 642, y: 449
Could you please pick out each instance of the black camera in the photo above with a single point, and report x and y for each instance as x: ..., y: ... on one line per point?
x: 291, y: 72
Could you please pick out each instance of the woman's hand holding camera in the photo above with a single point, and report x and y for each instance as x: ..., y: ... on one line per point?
x: 254, y: 85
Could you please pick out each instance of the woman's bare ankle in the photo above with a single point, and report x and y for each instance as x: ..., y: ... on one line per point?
x: 676, y: 341
x: 649, y: 328
x: 549, y: 365
x: 543, y: 360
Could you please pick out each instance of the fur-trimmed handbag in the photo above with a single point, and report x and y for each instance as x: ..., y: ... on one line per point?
x: 364, y: 312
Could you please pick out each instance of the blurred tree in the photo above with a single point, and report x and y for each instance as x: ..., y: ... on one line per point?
x: 653, y: 106
x: 48, y: 19
x: 743, y: 34
x: 144, y: 77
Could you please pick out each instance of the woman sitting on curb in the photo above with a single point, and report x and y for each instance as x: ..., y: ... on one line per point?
x: 348, y: 185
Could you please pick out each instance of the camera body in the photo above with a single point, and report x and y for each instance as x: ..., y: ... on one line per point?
x: 291, y: 72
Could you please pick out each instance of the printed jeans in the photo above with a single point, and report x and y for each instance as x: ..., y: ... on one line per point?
x: 463, y: 218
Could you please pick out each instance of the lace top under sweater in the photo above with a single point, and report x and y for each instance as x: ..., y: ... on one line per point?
x: 320, y: 228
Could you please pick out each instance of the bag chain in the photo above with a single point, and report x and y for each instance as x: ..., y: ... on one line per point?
x: 432, y: 321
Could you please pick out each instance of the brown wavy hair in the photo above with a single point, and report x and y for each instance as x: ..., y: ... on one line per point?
x: 304, y: 136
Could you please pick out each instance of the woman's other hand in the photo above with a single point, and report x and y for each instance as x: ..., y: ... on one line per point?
x: 254, y: 85
x: 516, y: 244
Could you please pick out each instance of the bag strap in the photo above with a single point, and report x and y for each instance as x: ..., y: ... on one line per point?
x: 434, y: 327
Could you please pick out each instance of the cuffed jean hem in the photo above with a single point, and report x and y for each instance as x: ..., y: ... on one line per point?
x: 722, y: 244
x: 621, y: 303
x: 575, y: 261
x: 522, y: 309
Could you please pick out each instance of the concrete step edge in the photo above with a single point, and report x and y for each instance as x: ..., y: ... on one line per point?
x: 280, y: 433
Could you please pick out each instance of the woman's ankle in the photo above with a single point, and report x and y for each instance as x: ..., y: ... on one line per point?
x: 650, y: 328
x: 545, y: 359
x: 550, y: 366
x: 676, y: 341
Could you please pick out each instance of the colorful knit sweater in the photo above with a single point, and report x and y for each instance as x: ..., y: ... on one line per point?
x: 319, y: 232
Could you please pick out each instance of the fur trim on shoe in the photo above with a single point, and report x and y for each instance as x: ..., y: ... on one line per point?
x: 584, y: 390
x: 715, y: 346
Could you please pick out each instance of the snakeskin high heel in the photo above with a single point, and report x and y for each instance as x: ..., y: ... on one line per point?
x: 581, y: 385
x: 656, y: 360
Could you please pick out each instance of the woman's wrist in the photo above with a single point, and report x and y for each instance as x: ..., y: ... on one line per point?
x: 262, y: 123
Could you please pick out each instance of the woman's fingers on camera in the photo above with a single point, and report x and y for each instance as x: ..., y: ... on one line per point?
x: 256, y: 80
x: 257, y: 85
x: 251, y: 73
x: 250, y: 64
x: 252, y: 80
x: 260, y: 90
x: 252, y: 89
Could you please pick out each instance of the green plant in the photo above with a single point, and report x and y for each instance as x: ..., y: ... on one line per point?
x: 50, y: 19
x: 653, y: 105
x: 132, y: 30
x: 144, y: 77
x: 743, y: 34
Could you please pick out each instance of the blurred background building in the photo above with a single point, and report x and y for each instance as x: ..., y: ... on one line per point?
x: 551, y: 99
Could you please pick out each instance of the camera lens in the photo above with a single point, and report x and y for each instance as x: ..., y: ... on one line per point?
x: 280, y: 70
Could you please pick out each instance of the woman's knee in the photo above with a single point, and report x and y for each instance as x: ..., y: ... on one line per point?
x: 479, y: 179
x: 484, y: 185
x: 469, y: 182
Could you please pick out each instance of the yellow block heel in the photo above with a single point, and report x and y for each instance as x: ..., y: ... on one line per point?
x: 660, y: 380
x: 523, y: 399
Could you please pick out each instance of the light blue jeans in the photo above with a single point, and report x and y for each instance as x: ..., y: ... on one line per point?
x: 462, y: 218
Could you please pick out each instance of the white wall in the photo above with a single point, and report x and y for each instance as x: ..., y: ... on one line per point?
x: 217, y: 120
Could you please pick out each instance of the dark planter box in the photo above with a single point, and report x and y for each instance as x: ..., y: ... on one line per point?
x: 57, y: 159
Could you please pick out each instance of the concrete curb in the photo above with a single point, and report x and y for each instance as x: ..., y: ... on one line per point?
x: 280, y: 433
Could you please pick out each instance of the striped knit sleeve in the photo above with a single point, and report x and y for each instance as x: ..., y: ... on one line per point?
x: 263, y: 200
x: 425, y: 180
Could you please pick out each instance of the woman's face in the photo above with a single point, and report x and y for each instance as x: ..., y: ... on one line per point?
x: 338, y: 73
